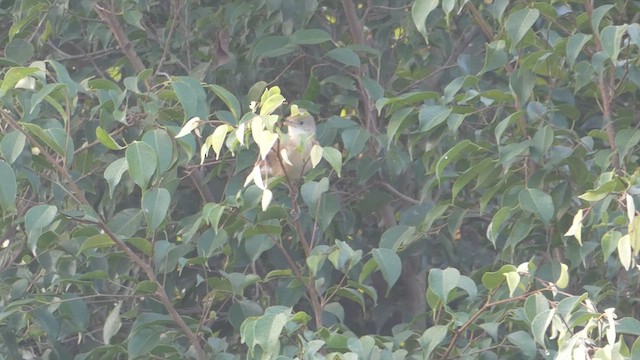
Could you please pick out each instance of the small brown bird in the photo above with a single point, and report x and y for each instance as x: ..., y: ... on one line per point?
x: 291, y: 156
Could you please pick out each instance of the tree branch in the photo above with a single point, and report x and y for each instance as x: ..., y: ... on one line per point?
x: 78, y: 195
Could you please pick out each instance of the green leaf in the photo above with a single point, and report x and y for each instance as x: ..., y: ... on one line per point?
x: 495, y: 56
x: 345, y: 56
x: 112, y: 323
x: 628, y: 326
x: 113, y: 173
x: 390, y: 265
x: 539, y: 326
x: 43, y: 94
x: 431, y: 338
x: 45, y: 137
x: 373, y: 88
x: 396, y: 237
x: 312, y: 191
x: 310, y: 37
x: 607, y: 188
x: 452, y: 155
x: 162, y: 146
x: 574, y: 46
x: 143, y: 341
x: 354, y: 140
x: 541, y: 142
x: 441, y: 282
x: 513, y: 280
x: 484, y: 166
x: 524, y: 342
x: 611, y: 39
x: 192, y: 97
x: 519, y: 22
x: 142, y: 162
x: 493, y: 279
x: 62, y: 76
x: 609, y: 243
x: 369, y: 267
x: 522, y: 82
x: 256, y: 245
x: 534, y: 305
x: 431, y: 116
x: 467, y: 284
x: 12, y: 145
x: 46, y: 321
x: 212, y: 214
x: 272, y: 46
x: 493, y: 230
x: 133, y: 17
x: 141, y: 244
x: 599, y: 13
x: 268, y: 329
x: 105, y: 139
x: 146, y: 287
x: 333, y: 157
x: 19, y: 50
x: 39, y: 217
x: 537, y: 202
x: 229, y: 99
x: 96, y: 242
x: 626, y: 140
x: 155, y: 203
x: 8, y: 187
x: 126, y: 223
x: 420, y: 10
x: 13, y: 75
x: 396, y: 123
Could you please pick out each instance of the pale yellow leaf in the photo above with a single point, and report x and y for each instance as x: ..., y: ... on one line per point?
x: 188, y: 127
x: 284, y: 154
x: 204, y: 151
x: 240, y: 133
x: 631, y: 207
x: 316, y: 155
x: 576, y: 227
x: 267, y: 196
x: 251, y: 177
x: 624, y: 251
x: 563, y: 279
x: 217, y: 138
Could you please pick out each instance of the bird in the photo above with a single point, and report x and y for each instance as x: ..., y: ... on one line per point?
x: 291, y: 155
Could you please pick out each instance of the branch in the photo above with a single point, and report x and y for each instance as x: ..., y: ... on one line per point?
x: 357, y: 33
x: 605, y: 88
x: 174, y: 8
x: 488, y: 305
x: 78, y: 196
x: 110, y: 18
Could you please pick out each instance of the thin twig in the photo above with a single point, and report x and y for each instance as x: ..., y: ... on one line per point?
x: 174, y: 10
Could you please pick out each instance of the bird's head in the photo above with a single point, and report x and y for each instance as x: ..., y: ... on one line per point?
x: 300, y: 122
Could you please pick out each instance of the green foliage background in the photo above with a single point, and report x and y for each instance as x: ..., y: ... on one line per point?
x: 476, y: 197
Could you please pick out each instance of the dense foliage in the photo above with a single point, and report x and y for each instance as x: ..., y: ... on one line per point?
x: 474, y: 194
